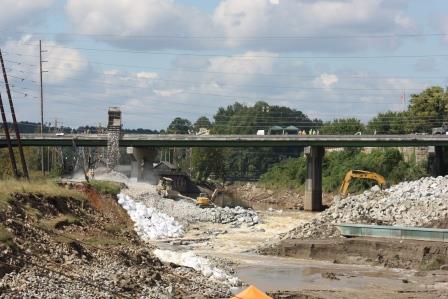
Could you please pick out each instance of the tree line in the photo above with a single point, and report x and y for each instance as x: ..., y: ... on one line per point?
x: 425, y: 111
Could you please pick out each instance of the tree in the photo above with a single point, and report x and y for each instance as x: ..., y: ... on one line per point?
x: 179, y: 126
x: 247, y: 120
x: 206, y: 161
x: 342, y: 126
x: 428, y: 109
x: 202, y: 122
x: 389, y: 123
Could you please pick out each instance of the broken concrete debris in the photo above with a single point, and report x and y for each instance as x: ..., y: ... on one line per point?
x: 416, y: 203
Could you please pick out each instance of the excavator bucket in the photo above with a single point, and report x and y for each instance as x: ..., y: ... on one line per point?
x: 251, y: 293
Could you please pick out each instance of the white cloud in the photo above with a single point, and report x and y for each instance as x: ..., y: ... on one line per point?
x: 111, y: 72
x: 326, y: 80
x: 242, y: 18
x: 62, y: 63
x: 147, y: 75
x: 16, y: 13
x: 242, y: 24
x: 130, y: 19
x: 167, y: 93
x: 247, y: 63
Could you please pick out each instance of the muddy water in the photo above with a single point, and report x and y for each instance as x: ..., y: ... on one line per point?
x: 286, y: 274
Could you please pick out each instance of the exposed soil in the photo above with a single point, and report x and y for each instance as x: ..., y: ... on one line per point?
x: 62, y: 247
x: 285, y: 199
x: 365, y: 293
x: 393, y: 253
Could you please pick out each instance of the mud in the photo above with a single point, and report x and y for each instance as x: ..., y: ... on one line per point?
x: 406, y: 254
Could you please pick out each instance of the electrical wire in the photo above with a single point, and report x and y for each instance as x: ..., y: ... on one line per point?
x: 269, y: 36
x: 366, y: 77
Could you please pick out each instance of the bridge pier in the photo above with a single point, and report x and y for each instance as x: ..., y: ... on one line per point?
x: 313, y: 184
x: 142, y: 163
x: 438, y: 163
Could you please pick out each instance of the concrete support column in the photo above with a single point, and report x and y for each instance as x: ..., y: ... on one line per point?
x: 438, y: 167
x: 313, y: 184
x: 142, y: 163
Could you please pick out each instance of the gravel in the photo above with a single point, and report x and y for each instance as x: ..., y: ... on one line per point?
x: 416, y: 203
x: 187, y: 212
x: 108, y: 277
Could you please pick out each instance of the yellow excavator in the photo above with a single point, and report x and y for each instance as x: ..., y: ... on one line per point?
x: 361, y: 174
x: 203, y: 200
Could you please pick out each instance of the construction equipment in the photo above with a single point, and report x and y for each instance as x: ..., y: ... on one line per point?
x: 202, y: 200
x: 165, y: 188
x: 361, y: 174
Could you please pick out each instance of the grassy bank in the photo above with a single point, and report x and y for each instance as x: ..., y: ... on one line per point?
x: 87, y: 208
x: 40, y: 188
x: 389, y: 163
x: 105, y: 187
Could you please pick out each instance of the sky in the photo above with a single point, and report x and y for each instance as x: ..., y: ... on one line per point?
x: 159, y: 59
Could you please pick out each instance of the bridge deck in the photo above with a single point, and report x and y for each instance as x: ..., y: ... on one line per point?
x: 148, y: 140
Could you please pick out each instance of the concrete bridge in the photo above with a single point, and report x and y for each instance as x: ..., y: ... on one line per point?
x: 143, y: 148
x: 154, y: 140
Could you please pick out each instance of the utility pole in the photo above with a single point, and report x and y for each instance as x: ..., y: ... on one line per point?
x: 8, y: 140
x: 404, y: 99
x: 14, y: 120
x: 41, y: 107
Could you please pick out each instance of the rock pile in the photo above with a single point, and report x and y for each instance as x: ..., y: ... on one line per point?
x: 186, y: 212
x: 128, y: 274
x: 417, y: 203
x: 190, y: 259
x: 42, y: 259
x: 149, y: 223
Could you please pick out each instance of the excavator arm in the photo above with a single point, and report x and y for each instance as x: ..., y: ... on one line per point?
x: 361, y: 174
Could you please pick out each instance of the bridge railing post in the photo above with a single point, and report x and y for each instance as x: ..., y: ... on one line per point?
x: 313, y: 184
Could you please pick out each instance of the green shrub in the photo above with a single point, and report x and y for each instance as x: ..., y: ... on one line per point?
x: 388, y: 162
x: 106, y: 187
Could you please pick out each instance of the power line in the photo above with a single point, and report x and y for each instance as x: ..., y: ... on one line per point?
x: 227, y: 37
x: 258, y: 56
x: 193, y: 70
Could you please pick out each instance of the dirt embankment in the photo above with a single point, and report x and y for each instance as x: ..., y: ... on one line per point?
x: 55, y: 246
x: 285, y: 199
x: 408, y: 254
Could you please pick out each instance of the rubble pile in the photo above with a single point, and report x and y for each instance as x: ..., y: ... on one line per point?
x: 149, y: 223
x: 44, y: 257
x: 189, y: 259
x: 417, y: 203
x: 186, y: 212
x: 129, y: 273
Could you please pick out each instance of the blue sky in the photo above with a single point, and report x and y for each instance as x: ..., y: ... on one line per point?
x: 158, y: 59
